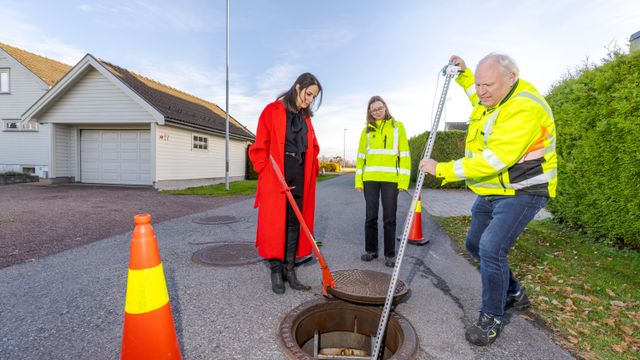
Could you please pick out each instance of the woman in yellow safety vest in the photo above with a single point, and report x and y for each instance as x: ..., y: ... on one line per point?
x: 383, y: 167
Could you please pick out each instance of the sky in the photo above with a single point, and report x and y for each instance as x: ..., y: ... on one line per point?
x: 356, y: 48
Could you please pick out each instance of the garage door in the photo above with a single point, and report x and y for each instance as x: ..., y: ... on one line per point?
x: 115, y: 157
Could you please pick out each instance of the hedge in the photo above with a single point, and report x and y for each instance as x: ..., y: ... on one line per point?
x: 597, y: 115
x: 449, y: 145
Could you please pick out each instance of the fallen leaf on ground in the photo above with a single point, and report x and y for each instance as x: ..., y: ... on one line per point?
x: 611, y: 293
x: 626, y: 330
x: 617, y: 303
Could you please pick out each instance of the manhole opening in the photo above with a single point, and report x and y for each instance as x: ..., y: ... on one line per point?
x: 335, y: 329
x: 217, y: 220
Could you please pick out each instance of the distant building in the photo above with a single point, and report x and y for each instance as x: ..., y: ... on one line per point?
x: 634, y: 42
x: 456, y: 126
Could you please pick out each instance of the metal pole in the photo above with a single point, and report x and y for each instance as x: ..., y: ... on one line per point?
x: 344, y: 151
x: 226, y: 133
x: 449, y: 71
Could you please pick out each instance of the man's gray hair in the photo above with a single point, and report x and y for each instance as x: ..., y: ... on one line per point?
x: 505, y: 62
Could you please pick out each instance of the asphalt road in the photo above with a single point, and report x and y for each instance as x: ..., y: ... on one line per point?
x: 70, y: 305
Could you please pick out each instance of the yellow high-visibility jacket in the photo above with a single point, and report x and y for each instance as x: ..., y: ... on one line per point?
x: 510, y: 147
x: 383, y: 155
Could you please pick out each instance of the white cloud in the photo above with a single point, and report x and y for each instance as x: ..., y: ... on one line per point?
x: 18, y: 32
x: 85, y: 7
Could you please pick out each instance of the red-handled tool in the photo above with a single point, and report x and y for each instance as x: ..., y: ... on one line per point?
x: 327, y: 279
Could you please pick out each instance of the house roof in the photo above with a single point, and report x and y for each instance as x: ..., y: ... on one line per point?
x: 50, y: 71
x: 177, y: 106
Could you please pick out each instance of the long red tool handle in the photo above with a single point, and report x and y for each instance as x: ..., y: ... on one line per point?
x: 327, y: 279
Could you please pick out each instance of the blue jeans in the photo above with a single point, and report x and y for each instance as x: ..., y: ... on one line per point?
x: 496, y: 223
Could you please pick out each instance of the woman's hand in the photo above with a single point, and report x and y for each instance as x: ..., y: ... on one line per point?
x: 359, y: 190
x: 428, y: 166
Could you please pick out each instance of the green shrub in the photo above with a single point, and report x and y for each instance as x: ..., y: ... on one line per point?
x: 597, y: 115
x: 251, y: 173
x: 449, y: 145
x: 330, y: 166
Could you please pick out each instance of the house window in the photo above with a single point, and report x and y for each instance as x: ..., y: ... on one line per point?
x: 200, y: 142
x: 4, y: 81
x: 11, y: 124
x: 16, y: 125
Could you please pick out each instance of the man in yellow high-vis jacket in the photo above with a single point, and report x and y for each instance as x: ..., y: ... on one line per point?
x: 510, y: 162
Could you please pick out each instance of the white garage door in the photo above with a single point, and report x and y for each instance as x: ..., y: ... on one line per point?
x: 115, y: 157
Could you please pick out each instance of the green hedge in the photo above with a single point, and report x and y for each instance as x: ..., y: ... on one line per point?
x: 449, y: 145
x: 597, y: 114
x: 251, y: 173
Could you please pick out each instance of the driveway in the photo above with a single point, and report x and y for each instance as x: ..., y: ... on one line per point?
x: 40, y: 220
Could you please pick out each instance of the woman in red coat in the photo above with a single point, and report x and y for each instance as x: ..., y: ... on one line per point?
x: 286, y: 133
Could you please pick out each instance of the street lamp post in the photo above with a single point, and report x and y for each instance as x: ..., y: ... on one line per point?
x: 344, y: 151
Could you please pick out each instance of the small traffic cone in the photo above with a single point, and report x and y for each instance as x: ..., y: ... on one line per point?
x: 148, y: 331
x: 415, y: 234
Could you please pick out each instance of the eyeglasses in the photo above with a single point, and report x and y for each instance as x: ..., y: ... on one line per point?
x: 381, y: 108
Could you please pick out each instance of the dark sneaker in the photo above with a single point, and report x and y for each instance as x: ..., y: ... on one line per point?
x: 389, y: 261
x: 368, y: 256
x: 485, y: 331
x: 518, y: 301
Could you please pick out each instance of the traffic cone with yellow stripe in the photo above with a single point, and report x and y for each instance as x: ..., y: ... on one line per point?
x: 415, y: 234
x: 148, y: 331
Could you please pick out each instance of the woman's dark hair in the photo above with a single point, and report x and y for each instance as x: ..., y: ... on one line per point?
x: 289, y: 97
x: 371, y: 121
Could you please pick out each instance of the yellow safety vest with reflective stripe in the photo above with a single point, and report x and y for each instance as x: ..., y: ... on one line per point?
x: 510, y: 147
x: 383, y: 155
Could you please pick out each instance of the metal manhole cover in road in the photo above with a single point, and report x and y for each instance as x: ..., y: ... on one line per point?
x: 365, y: 286
x: 217, y: 220
x: 227, y: 255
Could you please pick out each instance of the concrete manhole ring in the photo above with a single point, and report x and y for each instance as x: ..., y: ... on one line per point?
x: 217, y: 220
x: 365, y: 286
x: 320, y: 327
x: 224, y: 255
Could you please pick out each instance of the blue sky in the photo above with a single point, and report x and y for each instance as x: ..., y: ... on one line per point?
x: 357, y: 48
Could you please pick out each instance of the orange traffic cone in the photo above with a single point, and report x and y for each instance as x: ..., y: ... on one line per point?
x: 148, y: 332
x: 415, y: 234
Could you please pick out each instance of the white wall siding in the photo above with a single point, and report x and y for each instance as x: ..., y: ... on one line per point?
x: 64, y: 151
x: 25, y: 88
x: 176, y: 160
x: 95, y: 99
x: 16, y: 147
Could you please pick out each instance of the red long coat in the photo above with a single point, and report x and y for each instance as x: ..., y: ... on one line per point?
x: 270, y: 200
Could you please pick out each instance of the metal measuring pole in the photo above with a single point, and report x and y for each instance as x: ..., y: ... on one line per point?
x: 449, y: 72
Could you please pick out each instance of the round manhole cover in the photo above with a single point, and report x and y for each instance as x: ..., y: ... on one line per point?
x: 365, y: 286
x: 217, y: 220
x: 227, y: 255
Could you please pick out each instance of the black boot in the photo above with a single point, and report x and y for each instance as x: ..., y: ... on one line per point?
x: 277, y: 283
x: 290, y: 257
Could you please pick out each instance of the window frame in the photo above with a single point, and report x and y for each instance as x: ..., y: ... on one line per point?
x: 8, y: 83
x: 199, y: 142
x: 19, y: 127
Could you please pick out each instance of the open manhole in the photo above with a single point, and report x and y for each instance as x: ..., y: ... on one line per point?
x: 335, y: 329
x: 217, y: 220
x: 365, y: 286
x: 227, y: 255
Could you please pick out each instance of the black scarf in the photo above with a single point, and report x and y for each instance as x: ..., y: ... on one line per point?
x: 296, y: 136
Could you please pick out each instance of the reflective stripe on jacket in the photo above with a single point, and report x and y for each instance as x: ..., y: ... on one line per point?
x: 383, y: 155
x: 510, y: 147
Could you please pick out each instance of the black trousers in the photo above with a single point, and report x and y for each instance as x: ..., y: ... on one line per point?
x: 388, y: 193
x: 294, y: 176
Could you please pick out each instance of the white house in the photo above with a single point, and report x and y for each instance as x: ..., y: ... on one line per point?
x: 24, y: 78
x: 108, y: 125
